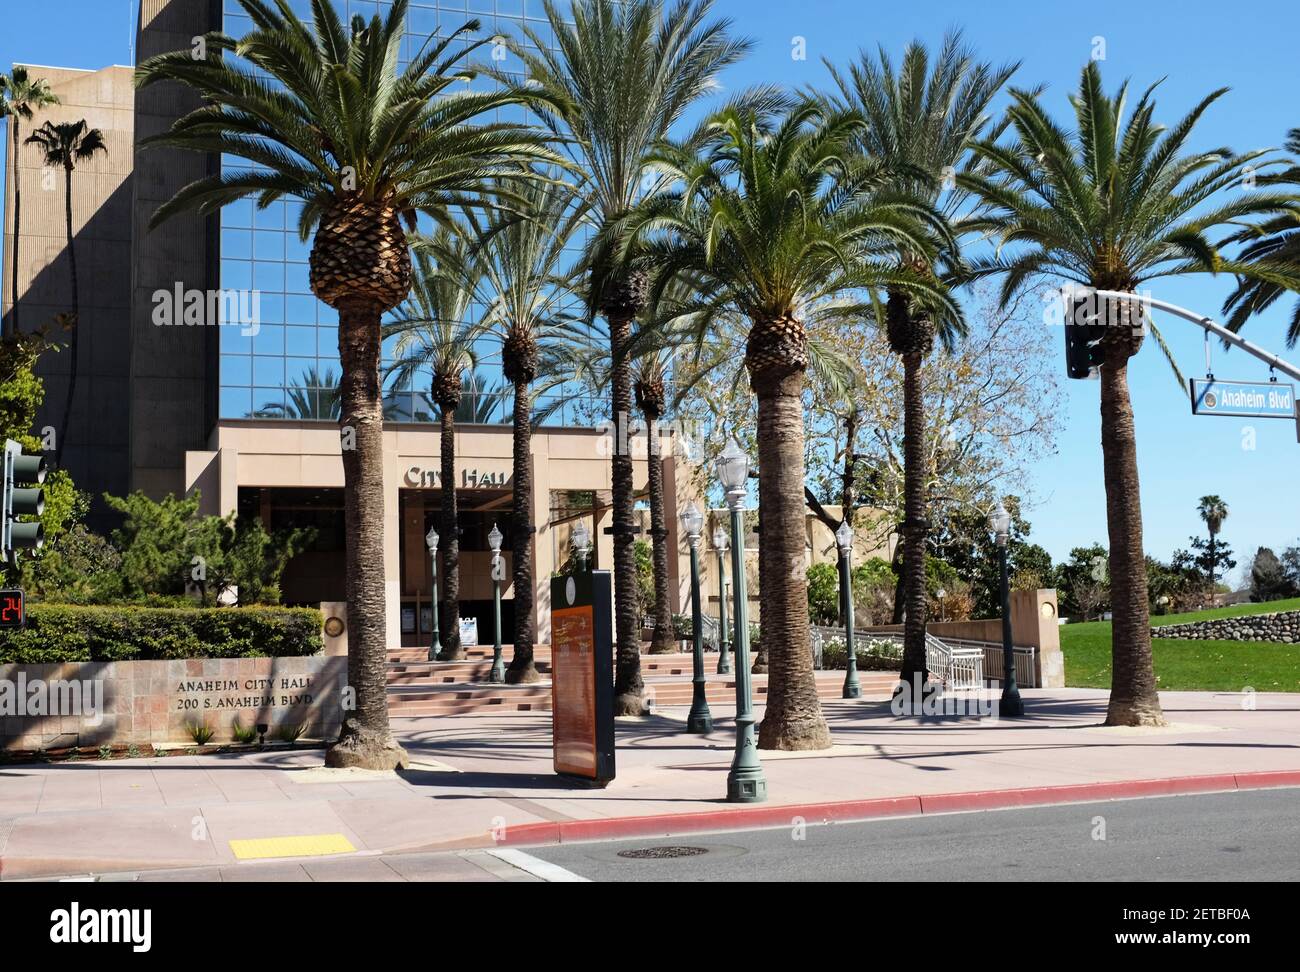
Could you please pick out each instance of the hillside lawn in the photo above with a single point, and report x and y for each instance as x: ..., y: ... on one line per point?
x: 1200, y: 666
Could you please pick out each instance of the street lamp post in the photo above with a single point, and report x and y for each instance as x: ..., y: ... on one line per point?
x: 745, y: 782
x: 1011, y: 705
x: 720, y: 544
x: 844, y: 537
x: 431, y: 538
x: 498, y: 662
x: 699, y: 719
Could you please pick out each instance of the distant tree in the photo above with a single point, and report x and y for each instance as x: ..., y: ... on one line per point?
x: 1213, y: 510
x: 1084, y: 582
x: 1268, y: 577
x: 1212, y: 556
x: 1291, y: 564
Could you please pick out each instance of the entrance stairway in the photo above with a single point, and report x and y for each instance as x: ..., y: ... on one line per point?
x: 417, y: 687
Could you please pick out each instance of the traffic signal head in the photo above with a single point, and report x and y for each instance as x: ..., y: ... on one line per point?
x: 22, y: 496
x: 1084, y: 330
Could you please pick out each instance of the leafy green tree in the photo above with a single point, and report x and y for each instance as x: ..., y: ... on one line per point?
x: 160, y: 543
x: 1268, y: 577
x: 1112, y: 204
x: 823, y: 594
x: 334, y: 115
x: 21, y: 394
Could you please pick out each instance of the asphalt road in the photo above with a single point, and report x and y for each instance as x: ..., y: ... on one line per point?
x: 1249, y: 835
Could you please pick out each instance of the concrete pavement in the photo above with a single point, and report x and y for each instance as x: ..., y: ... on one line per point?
x: 482, y: 781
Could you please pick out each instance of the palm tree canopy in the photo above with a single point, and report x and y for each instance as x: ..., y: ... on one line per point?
x: 522, y: 266
x: 778, y: 216
x: 1273, y: 247
x: 21, y: 94
x: 1116, y: 202
x: 340, y: 119
x: 621, y: 74
x: 1213, y: 510
x: 921, y: 120
x: 67, y: 143
x: 435, y: 328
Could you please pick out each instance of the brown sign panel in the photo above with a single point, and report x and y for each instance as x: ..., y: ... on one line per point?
x: 582, y: 682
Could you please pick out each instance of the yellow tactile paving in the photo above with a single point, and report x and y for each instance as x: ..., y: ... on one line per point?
x: 304, y: 845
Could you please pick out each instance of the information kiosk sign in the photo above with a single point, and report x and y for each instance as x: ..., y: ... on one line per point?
x: 582, y: 677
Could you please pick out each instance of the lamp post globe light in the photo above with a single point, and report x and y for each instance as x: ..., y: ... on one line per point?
x: 939, y: 595
x: 1000, y: 527
x: 581, y: 541
x: 699, y: 719
x: 431, y: 538
x: 721, y: 544
x: 844, y: 537
x: 745, y: 781
x: 495, y: 537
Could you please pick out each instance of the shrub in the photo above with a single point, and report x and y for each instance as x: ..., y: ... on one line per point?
x: 242, y: 733
x: 823, y: 593
x: 876, y: 655
x: 66, y: 633
x: 200, y: 732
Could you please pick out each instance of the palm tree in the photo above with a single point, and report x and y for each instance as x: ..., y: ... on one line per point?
x: 366, y: 145
x: 775, y: 218
x: 21, y: 96
x: 617, y: 77
x: 64, y: 145
x: 1213, y: 510
x: 434, y: 332
x: 523, y: 279
x: 650, y: 373
x: 1273, y: 249
x: 1112, y: 206
x: 920, y: 124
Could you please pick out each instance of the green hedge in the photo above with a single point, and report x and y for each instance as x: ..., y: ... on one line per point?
x: 67, y: 633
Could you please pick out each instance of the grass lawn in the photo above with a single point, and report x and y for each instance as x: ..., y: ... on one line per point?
x: 1209, y: 666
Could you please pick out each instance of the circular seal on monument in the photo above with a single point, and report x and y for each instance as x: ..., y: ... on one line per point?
x: 571, y: 591
x: 334, y: 626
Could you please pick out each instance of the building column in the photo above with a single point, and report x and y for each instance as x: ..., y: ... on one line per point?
x: 544, y: 556
x: 392, y: 543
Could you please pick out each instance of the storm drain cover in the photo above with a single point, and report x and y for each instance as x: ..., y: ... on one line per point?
x: 662, y: 853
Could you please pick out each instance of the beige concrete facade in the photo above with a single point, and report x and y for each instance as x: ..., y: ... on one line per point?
x: 305, y: 455
x: 101, y: 231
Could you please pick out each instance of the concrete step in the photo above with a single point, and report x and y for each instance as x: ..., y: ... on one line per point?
x: 444, y: 699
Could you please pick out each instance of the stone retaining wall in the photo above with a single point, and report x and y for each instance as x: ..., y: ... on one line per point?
x: 91, y: 704
x: 1283, y: 627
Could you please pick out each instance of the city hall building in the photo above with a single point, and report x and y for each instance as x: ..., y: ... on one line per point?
x: 241, y: 412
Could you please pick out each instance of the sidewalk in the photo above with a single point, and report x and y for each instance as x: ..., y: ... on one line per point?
x: 480, y: 781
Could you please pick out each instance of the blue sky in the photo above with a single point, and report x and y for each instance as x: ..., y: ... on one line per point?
x: 1197, y: 46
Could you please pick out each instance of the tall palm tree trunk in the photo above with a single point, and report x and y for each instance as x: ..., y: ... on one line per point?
x: 18, y: 209
x: 776, y: 358
x: 629, y: 688
x: 663, y: 641
x: 1134, y: 700
x: 522, y: 667
x: 914, y: 668
x: 366, y: 739
x: 449, y: 616
x: 76, y: 321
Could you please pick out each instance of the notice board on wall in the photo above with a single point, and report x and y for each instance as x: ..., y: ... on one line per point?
x: 582, y: 676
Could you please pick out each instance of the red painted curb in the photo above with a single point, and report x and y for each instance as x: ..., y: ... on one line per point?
x: 1262, y: 780
x: 737, y: 818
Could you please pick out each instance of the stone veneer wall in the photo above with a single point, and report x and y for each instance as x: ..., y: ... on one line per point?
x: 106, y: 703
x: 1283, y: 627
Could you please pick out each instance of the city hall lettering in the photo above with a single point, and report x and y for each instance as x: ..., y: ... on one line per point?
x: 258, y: 693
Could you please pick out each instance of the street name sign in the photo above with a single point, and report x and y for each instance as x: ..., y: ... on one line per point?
x: 582, y: 676
x: 1243, y: 399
